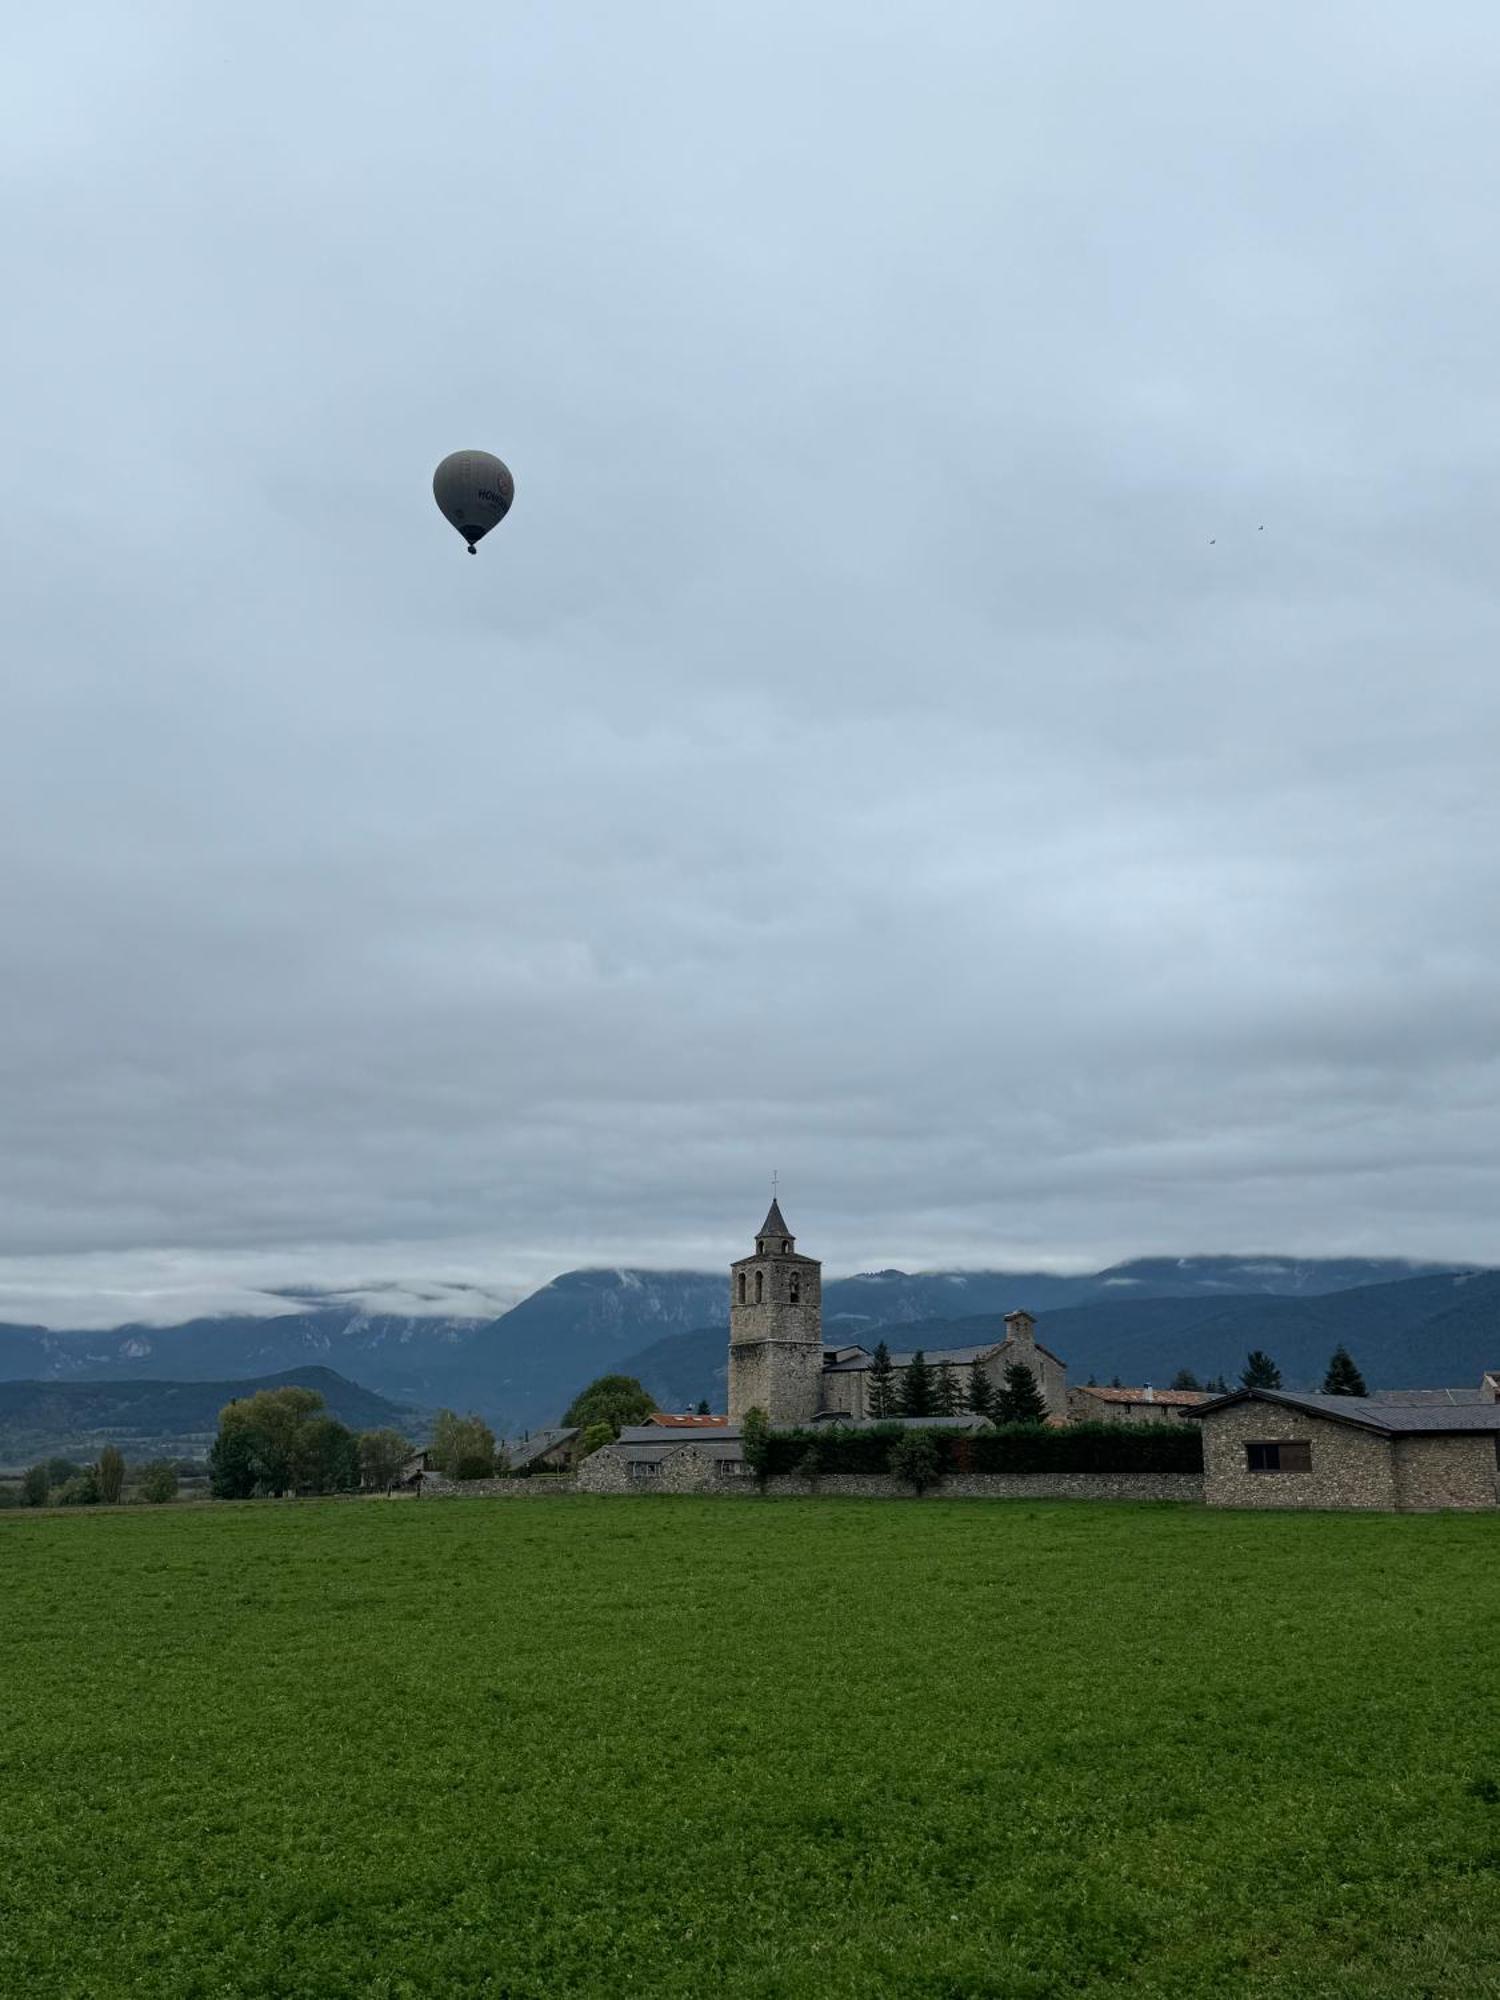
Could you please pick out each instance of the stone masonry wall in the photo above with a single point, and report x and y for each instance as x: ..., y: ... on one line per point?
x: 435, y: 1487
x: 687, y: 1471
x: 781, y: 1378
x: 1184, y: 1486
x: 1350, y: 1468
x: 1446, y: 1472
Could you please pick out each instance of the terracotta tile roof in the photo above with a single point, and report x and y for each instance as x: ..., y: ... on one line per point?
x: 1176, y: 1398
x: 669, y: 1421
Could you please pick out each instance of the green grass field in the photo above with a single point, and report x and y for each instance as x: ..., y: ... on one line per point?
x: 724, y: 1748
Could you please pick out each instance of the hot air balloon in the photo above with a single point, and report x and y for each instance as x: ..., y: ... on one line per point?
x: 474, y: 490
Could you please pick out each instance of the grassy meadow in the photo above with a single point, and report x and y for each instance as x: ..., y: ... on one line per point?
x: 725, y: 1748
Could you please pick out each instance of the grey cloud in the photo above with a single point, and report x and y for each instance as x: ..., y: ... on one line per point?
x: 851, y: 756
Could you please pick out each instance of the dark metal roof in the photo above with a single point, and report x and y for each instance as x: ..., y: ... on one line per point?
x: 934, y: 1356
x: 1430, y: 1398
x: 527, y: 1450
x: 670, y: 1440
x: 711, y: 1445
x: 774, y: 1225
x: 1365, y: 1414
x: 837, y: 1419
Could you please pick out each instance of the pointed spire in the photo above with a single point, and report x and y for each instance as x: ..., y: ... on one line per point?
x: 775, y: 1227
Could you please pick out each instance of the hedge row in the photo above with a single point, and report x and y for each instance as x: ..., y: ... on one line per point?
x: 1015, y: 1448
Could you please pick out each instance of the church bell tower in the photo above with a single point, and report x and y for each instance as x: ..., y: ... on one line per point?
x: 776, y: 1329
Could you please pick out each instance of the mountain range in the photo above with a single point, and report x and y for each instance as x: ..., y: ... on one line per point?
x: 151, y: 1419
x: 1409, y: 1325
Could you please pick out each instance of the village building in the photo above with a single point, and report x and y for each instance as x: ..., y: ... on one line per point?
x: 847, y: 1371
x: 778, y: 1362
x: 1088, y: 1403
x: 1275, y: 1448
x: 554, y: 1450
x: 646, y: 1458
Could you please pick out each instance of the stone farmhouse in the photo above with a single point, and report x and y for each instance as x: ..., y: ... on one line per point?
x: 1090, y: 1404
x: 1407, y: 1452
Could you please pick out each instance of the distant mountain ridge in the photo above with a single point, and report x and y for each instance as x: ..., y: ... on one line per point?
x: 1430, y: 1332
x: 152, y: 1418
x: 523, y: 1367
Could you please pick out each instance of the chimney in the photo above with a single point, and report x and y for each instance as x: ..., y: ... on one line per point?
x: 1021, y: 1328
x: 1150, y: 1395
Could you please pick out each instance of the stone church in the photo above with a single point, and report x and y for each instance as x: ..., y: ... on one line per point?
x: 778, y: 1361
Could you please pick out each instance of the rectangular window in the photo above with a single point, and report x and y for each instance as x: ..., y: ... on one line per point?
x: 1295, y: 1456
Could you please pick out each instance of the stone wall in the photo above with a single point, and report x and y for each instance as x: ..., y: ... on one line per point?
x: 1350, y: 1468
x: 1447, y: 1472
x: 1181, y: 1486
x: 435, y: 1487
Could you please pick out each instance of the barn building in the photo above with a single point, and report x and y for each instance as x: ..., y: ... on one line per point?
x: 1274, y: 1448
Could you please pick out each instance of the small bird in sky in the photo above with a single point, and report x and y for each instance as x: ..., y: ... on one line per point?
x: 1213, y: 541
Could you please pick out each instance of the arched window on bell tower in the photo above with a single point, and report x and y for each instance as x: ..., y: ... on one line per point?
x: 741, y: 1288
x: 794, y: 1288
x: 760, y: 1288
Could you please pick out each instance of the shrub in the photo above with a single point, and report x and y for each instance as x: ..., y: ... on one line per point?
x: 1105, y: 1448
x: 80, y: 1492
x: 917, y: 1461
x: 755, y: 1433
x: 810, y: 1465
x: 36, y: 1484
x: 157, y: 1483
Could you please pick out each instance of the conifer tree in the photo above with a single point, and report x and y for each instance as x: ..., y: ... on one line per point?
x: 882, y: 1384
x: 946, y: 1400
x: 981, y: 1394
x: 918, y: 1391
x: 1343, y: 1378
x: 1020, y: 1401
x: 1186, y: 1379
x: 110, y: 1472
x: 1260, y: 1371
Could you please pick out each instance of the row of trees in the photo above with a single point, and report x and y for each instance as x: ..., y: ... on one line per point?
x: 1342, y: 1377
x: 59, y: 1482
x: 282, y: 1441
x: 922, y: 1390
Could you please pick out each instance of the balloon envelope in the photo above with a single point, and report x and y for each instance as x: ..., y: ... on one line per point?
x: 474, y: 489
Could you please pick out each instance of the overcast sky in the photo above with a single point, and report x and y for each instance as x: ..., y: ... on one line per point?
x: 987, y: 701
